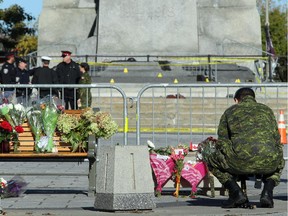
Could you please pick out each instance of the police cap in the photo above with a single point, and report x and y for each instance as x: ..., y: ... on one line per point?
x: 65, y: 53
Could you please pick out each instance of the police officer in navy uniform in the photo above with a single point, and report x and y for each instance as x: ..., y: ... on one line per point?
x: 23, y: 76
x: 68, y: 72
x: 45, y: 75
x: 8, y: 75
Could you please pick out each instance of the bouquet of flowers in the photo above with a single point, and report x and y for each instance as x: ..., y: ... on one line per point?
x: 13, y: 187
x: 14, y: 116
x: 17, y: 113
x: 178, y: 154
x: 76, y: 130
x: 43, y: 118
x: 171, y: 167
x: 206, y: 147
x: 34, y: 118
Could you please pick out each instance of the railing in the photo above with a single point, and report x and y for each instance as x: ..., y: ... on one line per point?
x: 103, y: 98
x: 202, y: 65
x: 169, y: 114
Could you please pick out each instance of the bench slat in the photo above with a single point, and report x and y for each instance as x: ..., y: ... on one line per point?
x: 44, y: 155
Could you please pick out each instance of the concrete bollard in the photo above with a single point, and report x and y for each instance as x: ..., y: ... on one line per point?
x: 123, y: 179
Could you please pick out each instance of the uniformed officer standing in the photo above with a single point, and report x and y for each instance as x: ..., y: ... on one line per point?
x: 45, y: 75
x: 84, y: 95
x: 68, y: 72
x: 22, y: 77
x: 8, y: 75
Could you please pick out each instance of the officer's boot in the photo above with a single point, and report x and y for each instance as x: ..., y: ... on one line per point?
x: 266, y: 199
x: 236, y: 196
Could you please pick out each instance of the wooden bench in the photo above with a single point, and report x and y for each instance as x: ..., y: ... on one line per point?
x: 25, y: 152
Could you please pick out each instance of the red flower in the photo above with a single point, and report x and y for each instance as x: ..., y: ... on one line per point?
x: 19, y: 129
x: 6, y: 126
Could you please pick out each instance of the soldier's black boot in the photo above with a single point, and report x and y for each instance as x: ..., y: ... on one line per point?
x: 266, y: 199
x: 236, y: 196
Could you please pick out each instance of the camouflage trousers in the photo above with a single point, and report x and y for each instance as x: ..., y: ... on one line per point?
x: 226, y: 166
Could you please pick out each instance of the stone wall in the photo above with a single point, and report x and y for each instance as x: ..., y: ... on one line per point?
x: 155, y: 27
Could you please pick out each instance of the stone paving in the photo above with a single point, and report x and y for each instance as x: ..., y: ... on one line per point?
x: 62, y: 190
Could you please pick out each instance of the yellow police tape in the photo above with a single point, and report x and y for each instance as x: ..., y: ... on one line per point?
x: 197, y: 61
x: 168, y: 130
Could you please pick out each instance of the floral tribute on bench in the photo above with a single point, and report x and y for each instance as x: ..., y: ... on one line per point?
x: 13, y: 117
x: 168, y: 164
x: 46, y: 119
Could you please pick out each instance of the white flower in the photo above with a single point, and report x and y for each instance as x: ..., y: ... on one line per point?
x: 19, y: 107
x: 43, y: 142
x: 150, y: 144
x: 3, y: 182
x: 10, y: 106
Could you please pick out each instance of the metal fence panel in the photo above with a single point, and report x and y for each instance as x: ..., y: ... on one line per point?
x: 106, y: 97
x: 168, y: 114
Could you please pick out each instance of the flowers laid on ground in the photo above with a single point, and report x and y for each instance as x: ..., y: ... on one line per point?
x: 206, y: 147
x: 13, y: 117
x: 178, y: 154
x: 76, y: 130
x: 12, y: 188
x: 168, y: 163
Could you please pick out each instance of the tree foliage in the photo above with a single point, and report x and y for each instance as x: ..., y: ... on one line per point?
x: 277, y: 21
x: 26, y: 44
x: 13, y: 25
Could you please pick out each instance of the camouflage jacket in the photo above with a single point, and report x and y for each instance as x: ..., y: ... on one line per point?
x: 248, y: 132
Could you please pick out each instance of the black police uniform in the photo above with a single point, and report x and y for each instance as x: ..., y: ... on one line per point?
x: 23, y: 76
x: 68, y: 74
x: 45, y: 75
x: 8, y: 75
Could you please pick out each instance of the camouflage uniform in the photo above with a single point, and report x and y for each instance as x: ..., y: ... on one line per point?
x: 82, y: 92
x: 248, y: 143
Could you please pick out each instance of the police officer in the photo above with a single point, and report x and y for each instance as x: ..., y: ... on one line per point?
x: 68, y: 72
x: 8, y: 75
x: 22, y: 77
x: 45, y: 75
x: 248, y: 144
x: 84, y: 95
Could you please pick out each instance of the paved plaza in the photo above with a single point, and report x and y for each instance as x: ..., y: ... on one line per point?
x: 61, y: 189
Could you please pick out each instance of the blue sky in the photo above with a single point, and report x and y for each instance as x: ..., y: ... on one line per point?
x: 32, y: 7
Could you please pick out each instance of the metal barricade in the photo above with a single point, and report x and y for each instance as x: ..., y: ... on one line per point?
x: 168, y: 114
x: 106, y: 97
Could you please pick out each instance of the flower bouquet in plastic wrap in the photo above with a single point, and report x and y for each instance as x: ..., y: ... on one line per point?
x: 13, y: 116
x: 34, y: 118
x: 178, y: 154
x: 12, y: 188
x: 167, y: 163
x: 43, y: 117
x: 162, y: 165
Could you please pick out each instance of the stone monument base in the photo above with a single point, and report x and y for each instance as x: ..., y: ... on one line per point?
x: 113, y: 202
x: 124, y: 179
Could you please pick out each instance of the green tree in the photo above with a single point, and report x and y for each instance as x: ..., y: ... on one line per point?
x: 13, y: 25
x: 278, y: 27
x: 26, y: 45
x: 277, y: 17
